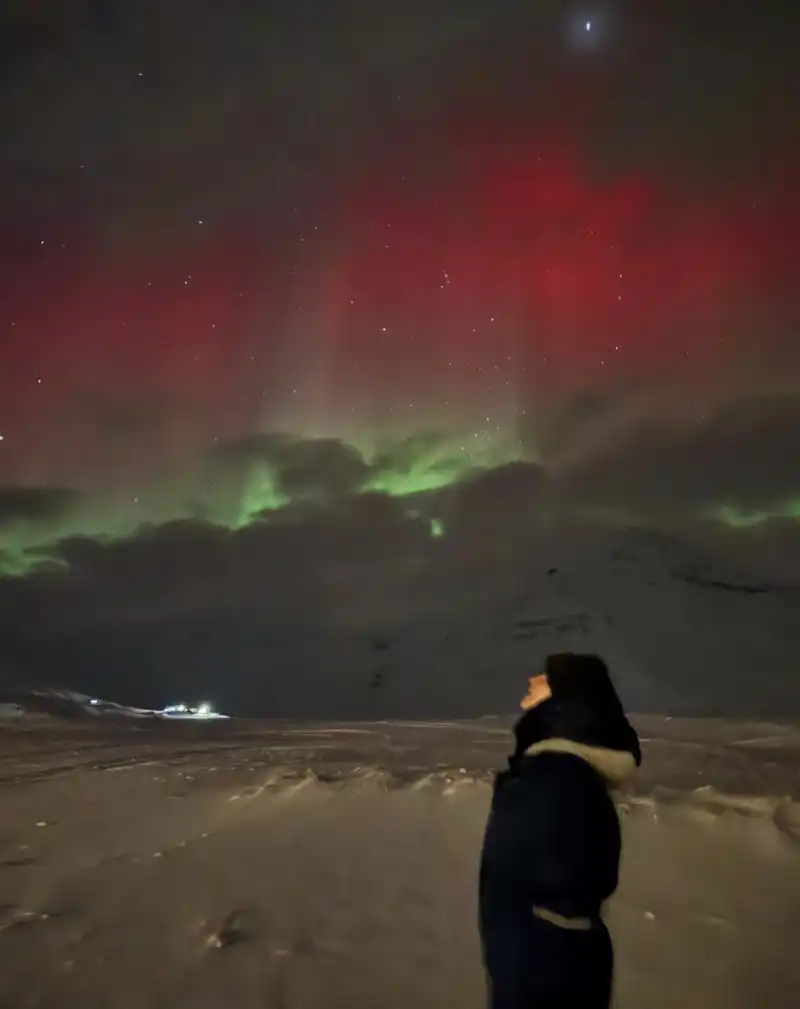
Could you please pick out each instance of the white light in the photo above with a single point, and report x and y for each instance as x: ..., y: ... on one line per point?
x: 588, y: 26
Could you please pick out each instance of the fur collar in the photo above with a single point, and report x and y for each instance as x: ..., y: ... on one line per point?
x: 613, y: 765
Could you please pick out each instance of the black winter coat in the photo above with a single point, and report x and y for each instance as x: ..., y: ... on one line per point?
x: 550, y: 859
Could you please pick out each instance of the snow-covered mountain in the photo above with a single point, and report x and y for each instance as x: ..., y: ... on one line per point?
x: 681, y: 632
x: 447, y: 632
x: 685, y: 632
x: 48, y: 702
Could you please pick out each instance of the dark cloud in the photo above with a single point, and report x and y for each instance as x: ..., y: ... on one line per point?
x: 316, y: 469
x: 372, y: 510
x: 328, y: 470
x: 498, y: 503
x: 744, y: 455
x: 279, y: 567
x: 285, y: 563
x: 569, y: 422
x: 324, y: 467
x: 41, y: 506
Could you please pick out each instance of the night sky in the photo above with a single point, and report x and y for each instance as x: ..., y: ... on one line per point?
x: 262, y: 260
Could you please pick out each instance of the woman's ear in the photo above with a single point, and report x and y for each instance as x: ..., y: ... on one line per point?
x: 538, y: 691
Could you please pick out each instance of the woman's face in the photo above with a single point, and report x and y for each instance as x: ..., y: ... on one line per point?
x: 538, y: 691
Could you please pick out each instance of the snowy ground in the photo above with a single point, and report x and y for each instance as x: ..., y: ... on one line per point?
x: 317, y: 867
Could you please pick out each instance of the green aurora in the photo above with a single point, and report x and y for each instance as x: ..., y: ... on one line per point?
x: 415, y: 472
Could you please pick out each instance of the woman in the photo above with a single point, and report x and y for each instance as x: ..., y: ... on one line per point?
x: 552, y: 844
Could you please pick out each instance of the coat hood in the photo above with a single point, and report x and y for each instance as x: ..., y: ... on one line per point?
x: 584, y: 716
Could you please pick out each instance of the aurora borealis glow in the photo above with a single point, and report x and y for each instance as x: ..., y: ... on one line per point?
x: 295, y: 259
